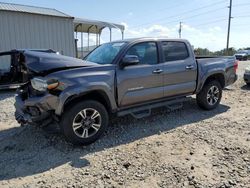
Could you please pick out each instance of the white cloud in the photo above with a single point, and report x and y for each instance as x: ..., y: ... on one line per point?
x: 212, y: 38
x: 92, y: 40
x: 153, y: 31
x: 130, y: 14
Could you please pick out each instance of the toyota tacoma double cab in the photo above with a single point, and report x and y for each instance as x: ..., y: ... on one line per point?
x: 118, y: 78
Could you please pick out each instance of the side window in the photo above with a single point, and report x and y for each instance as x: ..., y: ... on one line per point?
x: 174, y: 51
x: 146, y: 51
x: 5, y: 63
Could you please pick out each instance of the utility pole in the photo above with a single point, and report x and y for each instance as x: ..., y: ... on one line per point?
x: 180, y: 29
x: 229, y: 25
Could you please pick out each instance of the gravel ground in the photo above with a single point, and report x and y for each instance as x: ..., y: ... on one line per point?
x: 184, y: 148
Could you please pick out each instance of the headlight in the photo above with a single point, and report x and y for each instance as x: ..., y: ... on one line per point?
x: 42, y: 85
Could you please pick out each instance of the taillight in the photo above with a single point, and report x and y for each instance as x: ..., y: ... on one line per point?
x: 236, y: 64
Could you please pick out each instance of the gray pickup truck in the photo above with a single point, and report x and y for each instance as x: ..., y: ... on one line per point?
x: 123, y: 77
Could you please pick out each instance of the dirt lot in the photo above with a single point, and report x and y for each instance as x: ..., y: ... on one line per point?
x: 185, y: 148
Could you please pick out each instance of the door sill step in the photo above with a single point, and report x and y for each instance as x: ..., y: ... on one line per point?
x: 145, y: 110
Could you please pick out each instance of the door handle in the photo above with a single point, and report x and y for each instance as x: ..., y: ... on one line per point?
x: 157, y: 71
x: 189, y: 67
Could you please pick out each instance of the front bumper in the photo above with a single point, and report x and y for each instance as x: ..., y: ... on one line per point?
x: 247, y: 78
x: 35, y: 110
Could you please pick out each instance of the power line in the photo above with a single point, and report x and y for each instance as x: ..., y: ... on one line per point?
x: 211, y: 11
x: 178, y: 15
x: 242, y: 4
x: 242, y: 16
x: 193, y: 16
x: 210, y: 22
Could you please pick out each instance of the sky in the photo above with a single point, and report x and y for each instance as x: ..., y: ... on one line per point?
x: 204, y: 22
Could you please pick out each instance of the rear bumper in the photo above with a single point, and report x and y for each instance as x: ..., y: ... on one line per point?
x: 247, y: 77
x: 34, y: 110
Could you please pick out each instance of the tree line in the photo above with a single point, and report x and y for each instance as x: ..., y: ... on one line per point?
x: 207, y: 52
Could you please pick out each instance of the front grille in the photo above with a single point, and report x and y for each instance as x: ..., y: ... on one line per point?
x: 26, y: 91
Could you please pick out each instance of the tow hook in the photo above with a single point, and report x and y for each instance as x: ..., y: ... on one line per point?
x: 21, y: 120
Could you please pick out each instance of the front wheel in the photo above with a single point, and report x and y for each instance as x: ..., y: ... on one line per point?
x: 85, y: 122
x: 210, y: 96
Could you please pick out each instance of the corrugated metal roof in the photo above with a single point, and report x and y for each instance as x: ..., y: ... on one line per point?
x: 32, y: 10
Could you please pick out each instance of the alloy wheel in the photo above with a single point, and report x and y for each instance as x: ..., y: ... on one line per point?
x: 87, y: 123
x: 213, y: 95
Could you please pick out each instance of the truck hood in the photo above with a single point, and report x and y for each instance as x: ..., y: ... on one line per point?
x: 45, y: 63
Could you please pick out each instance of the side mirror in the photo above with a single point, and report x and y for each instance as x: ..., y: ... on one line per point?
x: 130, y: 60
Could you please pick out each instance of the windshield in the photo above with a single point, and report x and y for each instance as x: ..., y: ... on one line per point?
x: 106, y: 53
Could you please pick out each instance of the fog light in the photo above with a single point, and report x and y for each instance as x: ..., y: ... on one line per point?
x: 34, y: 111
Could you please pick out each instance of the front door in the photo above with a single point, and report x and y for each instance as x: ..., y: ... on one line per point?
x: 141, y: 82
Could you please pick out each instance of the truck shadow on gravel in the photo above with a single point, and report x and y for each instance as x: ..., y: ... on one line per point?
x: 246, y: 87
x: 33, y: 151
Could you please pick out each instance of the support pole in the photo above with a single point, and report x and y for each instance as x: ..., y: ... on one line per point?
x: 88, y: 41
x: 81, y: 41
x: 229, y: 25
x: 96, y: 36
x: 100, y: 38
x: 110, y: 34
x: 122, y: 34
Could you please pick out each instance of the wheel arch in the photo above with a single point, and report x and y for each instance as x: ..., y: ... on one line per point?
x: 96, y: 95
x: 220, y: 77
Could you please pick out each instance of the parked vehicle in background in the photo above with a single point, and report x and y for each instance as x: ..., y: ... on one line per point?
x: 247, y: 76
x: 123, y: 77
x: 242, y: 55
x: 12, y: 68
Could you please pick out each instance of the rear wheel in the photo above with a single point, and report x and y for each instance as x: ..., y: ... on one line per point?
x: 85, y: 122
x: 210, y: 96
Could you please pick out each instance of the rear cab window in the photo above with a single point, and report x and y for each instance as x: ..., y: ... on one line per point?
x: 174, y: 51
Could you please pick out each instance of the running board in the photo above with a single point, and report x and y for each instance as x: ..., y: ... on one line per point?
x: 144, y: 111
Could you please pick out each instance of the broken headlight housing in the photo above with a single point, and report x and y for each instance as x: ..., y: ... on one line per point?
x: 43, y: 85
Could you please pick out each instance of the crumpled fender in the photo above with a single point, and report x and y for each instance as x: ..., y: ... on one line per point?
x: 80, y: 90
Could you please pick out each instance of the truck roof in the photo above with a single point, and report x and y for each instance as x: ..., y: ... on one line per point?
x: 150, y: 39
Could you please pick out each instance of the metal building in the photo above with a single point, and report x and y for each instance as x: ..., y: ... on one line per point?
x: 24, y: 26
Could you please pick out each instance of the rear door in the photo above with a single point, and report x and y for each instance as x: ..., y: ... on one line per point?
x: 141, y: 82
x: 180, y: 68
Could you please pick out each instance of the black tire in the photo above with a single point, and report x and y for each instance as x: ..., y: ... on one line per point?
x: 203, y: 99
x: 248, y: 84
x: 76, y: 112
